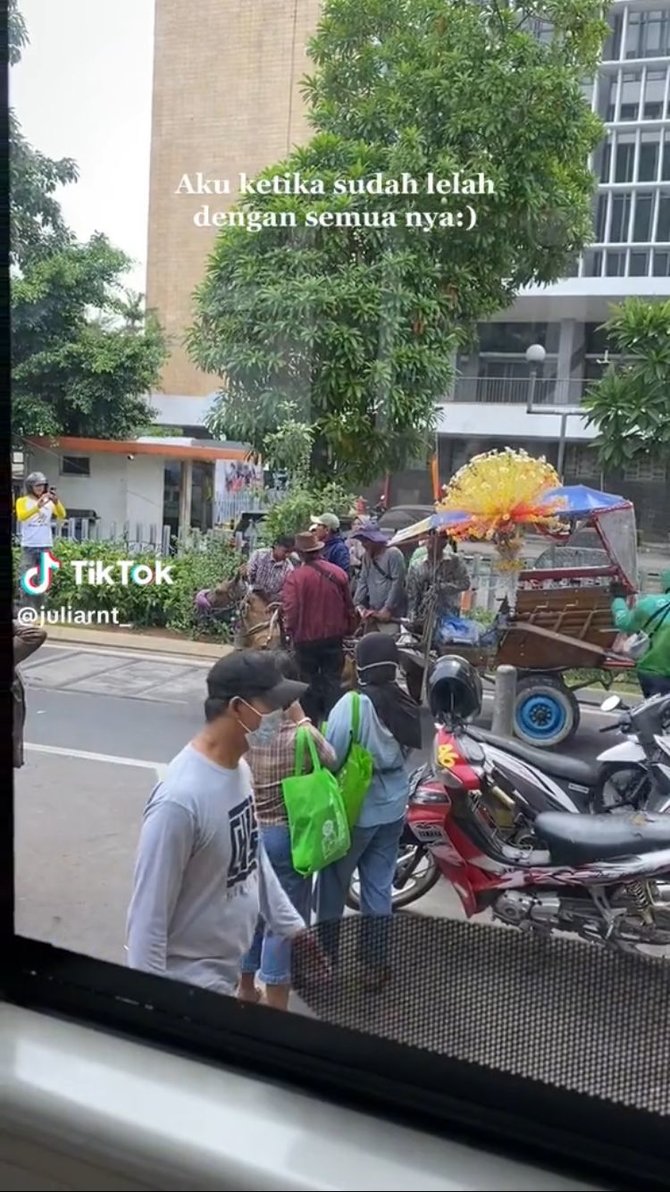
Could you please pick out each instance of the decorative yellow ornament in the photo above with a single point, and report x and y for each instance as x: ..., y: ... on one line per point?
x: 502, y: 491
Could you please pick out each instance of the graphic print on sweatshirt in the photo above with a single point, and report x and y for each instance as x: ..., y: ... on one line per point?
x: 243, y: 843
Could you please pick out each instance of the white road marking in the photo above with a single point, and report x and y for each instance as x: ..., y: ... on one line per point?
x: 159, y: 768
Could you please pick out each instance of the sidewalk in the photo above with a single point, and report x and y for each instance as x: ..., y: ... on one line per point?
x: 156, y: 642
x: 76, y: 828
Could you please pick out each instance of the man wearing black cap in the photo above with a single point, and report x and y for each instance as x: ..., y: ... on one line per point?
x: 201, y: 876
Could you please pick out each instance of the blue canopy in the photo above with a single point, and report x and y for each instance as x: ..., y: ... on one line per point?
x: 581, y: 501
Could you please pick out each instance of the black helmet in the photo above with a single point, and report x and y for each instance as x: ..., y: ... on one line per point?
x: 454, y: 688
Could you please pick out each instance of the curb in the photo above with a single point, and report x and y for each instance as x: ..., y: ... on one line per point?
x: 137, y: 641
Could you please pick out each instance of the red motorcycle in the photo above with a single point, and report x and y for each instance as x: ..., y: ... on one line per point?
x: 520, y: 848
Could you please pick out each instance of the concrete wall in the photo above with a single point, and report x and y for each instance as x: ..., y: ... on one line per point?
x: 118, y: 489
x: 226, y: 100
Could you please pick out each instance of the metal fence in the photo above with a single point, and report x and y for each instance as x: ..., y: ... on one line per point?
x: 136, y: 537
x: 548, y: 391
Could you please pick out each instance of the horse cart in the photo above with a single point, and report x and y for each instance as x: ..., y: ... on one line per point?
x: 556, y: 628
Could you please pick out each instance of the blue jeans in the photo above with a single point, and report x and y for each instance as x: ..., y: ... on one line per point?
x: 270, y: 955
x: 374, y: 853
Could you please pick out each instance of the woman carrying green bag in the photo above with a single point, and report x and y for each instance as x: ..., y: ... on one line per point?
x: 390, y: 728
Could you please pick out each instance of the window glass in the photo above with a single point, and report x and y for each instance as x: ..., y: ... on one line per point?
x: 642, y: 221
x: 607, y: 86
x: 593, y: 264
x: 615, y: 265
x: 647, y: 166
x: 665, y: 163
x: 620, y: 218
x: 661, y: 264
x: 515, y: 337
x: 624, y: 166
x: 600, y: 221
x: 631, y: 88
x: 647, y: 35
x: 638, y: 264
x: 612, y: 46
x: 602, y: 161
x: 654, y: 96
x: 663, y: 222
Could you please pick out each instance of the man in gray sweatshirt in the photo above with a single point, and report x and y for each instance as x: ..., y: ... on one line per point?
x: 202, y: 877
x: 381, y: 597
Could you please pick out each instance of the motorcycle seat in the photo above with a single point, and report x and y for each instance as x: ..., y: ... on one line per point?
x: 579, y: 839
x: 556, y: 765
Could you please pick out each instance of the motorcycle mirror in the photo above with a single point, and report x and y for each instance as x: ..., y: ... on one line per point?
x: 611, y: 703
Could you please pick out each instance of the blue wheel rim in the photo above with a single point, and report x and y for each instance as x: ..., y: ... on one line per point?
x: 541, y: 716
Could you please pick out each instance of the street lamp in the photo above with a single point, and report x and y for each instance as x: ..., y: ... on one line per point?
x: 535, y: 357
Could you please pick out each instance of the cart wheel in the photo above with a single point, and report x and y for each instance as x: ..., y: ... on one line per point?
x: 546, y: 712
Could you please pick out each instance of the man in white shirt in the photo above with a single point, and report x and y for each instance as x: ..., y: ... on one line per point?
x: 202, y: 877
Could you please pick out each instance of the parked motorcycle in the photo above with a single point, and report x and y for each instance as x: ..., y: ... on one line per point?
x: 631, y: 775
x: 511, y: 841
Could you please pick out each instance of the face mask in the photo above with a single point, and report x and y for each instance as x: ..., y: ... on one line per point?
x: 266, y: 732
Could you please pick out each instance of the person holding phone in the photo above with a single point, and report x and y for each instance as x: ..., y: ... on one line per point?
x: 35, y: 513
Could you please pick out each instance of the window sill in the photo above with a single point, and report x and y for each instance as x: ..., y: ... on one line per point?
x: 85, y: 1109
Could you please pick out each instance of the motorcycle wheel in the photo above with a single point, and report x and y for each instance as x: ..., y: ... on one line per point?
x: 416, y: 873
x: 623, y: 789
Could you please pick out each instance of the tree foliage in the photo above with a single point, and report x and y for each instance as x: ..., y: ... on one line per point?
x: 630, y: 406
x: 84, y: 354
x: 75, y: 372
x: 357, y: 326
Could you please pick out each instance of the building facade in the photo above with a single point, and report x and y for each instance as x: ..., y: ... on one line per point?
x: 227, y: 99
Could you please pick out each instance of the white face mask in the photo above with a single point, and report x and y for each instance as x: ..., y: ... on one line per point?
x: 268, y: 727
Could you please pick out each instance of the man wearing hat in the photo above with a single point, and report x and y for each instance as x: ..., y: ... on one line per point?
x: 201, y: 876
x: 381, y: 597
x: 335, y: 550
x: 318, y: 613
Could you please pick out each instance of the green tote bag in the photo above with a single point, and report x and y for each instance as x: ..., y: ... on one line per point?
x: 316, y: 814
x: 355, y: 776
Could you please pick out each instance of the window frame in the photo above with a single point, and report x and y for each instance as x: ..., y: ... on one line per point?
x: 72, y: 470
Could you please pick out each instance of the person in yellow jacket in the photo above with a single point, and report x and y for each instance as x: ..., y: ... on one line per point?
x: 35, y: 513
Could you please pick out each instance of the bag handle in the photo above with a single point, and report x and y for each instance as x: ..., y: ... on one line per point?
x: 659, y: 612
x: 355, y: 717
x: 302, y: 735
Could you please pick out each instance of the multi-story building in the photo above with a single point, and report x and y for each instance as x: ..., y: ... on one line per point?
x: 227, y: 99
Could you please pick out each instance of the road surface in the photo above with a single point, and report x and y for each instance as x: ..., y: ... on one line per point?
x: 101, y: 727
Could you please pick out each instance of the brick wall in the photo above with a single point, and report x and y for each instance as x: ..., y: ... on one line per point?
x: 226, y: 99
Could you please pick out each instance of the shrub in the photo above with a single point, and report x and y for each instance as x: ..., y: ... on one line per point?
x: 293, y: 515
x: 168, y: 606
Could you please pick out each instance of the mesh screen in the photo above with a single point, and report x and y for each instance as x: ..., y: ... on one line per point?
x: 555, y: 1010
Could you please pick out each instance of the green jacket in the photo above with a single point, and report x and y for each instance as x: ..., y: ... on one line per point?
x: 656, y: 661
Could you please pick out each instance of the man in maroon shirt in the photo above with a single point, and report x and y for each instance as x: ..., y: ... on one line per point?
x: 318, y: 614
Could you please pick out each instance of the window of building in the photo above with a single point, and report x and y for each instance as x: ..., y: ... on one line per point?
x: 593, y: 264
x: 581, y: 462
x: 665, y: 163
x: 663, y: 220
x: 600, y: 218
x: 647, y: 35
x: 654, y: 95
x: 595, y: 339
x: 624, y: 161
x: 642, y: 220
x: 513, y: 338
x: 612, y: 46
x: 631, y: 90
x: 638, y: 264
x: 647, y: 165
x: 607, y: 85
x: 602, y: 161
x: 661, y: 264
x: 75, y: 465
x: 615, y: 264
x: 620, y: 219
x: 646, y: 467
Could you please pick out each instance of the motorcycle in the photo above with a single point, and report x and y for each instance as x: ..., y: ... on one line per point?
x: 504, y: 779
x: 632, y: 775
x: 603, y: 878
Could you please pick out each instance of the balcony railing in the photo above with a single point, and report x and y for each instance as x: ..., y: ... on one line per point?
x: 517, y: 390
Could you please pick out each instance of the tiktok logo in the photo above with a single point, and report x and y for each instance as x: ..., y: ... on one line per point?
x: 37, y: 580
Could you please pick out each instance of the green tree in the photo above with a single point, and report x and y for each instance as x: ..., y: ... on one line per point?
x: 84, y: 353
x: 630, y: 406
x: 357, y: 325
x: 77, y: 367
